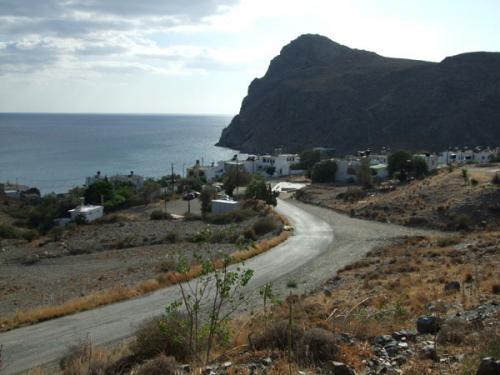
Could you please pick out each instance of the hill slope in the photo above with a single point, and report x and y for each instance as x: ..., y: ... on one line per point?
x: 320, y: 93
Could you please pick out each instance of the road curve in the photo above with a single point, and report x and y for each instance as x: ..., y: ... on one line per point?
x: 28, y: 347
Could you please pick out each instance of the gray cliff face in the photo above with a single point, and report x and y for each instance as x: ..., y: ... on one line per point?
x: 320, y: 93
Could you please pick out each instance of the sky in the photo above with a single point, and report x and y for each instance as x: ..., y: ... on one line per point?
x: 199, y: 56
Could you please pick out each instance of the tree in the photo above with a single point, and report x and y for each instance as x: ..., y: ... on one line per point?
x: 270, y: 170
x: 217, y: 292
x: 308, y: 158
x: 206, y: 196
x: 324, y: 171
x: 235, y: 176
x: 101, y: 188
x: 400, y: 162
x: 420, y: 167
x: 259, y: 189
x: 365, y: 174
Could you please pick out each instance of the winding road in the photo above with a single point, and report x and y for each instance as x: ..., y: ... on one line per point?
x: 309, y: 256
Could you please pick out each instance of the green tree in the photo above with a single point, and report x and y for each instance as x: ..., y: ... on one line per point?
x: 308, y: 158
x: 400, y: 162
x: 206, y: 196
x: 259, y: 189
x: 99, y: 188
x: 324, y: 171
x: 365, y: 174
x: 235, y: 176
x: 420, y: 167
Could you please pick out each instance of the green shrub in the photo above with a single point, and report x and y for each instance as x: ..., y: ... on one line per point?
x: 496, y: 179
x: 160, y: 215
x: 324, y: 171
x: 264, y: 225
x: 318, y: 346
x: 8, y: 231
x: 236, y: 216
x: 276, y: 336
x: 249, y: 234
x: 160, y: 365
x: 162, y: 336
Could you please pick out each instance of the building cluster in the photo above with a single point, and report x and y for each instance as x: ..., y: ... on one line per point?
x: 276, y: 165
x: 20, y: 192
x: 135, y: 180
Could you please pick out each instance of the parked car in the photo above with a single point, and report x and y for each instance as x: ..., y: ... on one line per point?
x: 191, y: 195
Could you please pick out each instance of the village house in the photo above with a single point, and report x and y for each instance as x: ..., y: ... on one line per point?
x: 432, y: 160
x: 20, y: 192
x: 137, y: 181
x: 88, y: 212
x: 468, y: 155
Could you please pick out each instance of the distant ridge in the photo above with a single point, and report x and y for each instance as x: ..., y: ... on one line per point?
x: 320, y: 93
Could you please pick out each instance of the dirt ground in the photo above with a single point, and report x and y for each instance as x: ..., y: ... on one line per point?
x: 124, y: 249
x: 444, y: 201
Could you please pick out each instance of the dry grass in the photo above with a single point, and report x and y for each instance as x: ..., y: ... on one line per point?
x: 120, y: 293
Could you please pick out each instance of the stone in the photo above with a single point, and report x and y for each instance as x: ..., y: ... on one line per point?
x: 267, y: 361
x: 404, y: 335
x: 429, y: 352
x: 428, y: 324
x: 382, y: 340
x: 452, y: 286
x: 327, y: 292
x: 489, y: 366
x: 339, y: 368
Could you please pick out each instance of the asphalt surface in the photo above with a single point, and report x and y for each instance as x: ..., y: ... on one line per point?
x: 36, y: 345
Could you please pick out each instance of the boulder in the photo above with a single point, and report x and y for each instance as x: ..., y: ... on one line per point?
x: 339, y: 368
x: 451, y: 287
x: 428, y: 324
x: 489, y: 366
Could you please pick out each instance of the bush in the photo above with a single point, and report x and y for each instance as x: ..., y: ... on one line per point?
x: 160, y: 365
x: 162, y: 336
x: 496, y: 179
x: 8, y: 231
x: 276, y: 336
x: 207, y: 193
x: 264, y: 225
x: 448, y: 241
x: 85, y: 359
x: 324, y: 171
x: 453, y: 331
x: 474, y: 182
x: 249, y: 234
x: 160, y: 215
x: 56, y: 233
x: 172, y: 237
x: 317, y: 346
x: 236, y: 216
x: 463, y: 222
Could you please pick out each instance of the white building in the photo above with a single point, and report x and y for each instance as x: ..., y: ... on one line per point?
x: 220, y: 206
x: 468, y: 155
x: 432, y: 160
x: 136, y: 180
x: 89, y: 212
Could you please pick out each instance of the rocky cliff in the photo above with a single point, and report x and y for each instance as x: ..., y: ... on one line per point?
x: 320, y: 93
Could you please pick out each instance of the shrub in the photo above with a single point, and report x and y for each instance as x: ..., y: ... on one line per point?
x: 162, y: 336
x: 160, y: 365
x: 160, y: 215
x: 167, y: 265
x: 448, y: 241
x: 8, y: 231
x: 474, y: 182
x: 249, y: 234
x: 172, y: 237
x: 318, y: 345
x: 276, y: 336
x: 496, y: 179
x: 85, y: 359
x: 258, y: 189
x: 463, y: 222
x: 264, y: 225
x: 207, y: 193
x: 453, y: 331
x: 324, y: 171
x: 56, y: 233
x: 30, y: 259
x: 236, y: 216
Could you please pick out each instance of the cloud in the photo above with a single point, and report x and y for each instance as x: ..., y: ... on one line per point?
x: 112, y: 34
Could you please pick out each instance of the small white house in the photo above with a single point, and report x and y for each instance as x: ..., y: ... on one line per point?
x: 89, y: 212
x: 220, y: 206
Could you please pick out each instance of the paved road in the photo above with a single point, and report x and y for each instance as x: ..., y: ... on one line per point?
x: 27, y: 347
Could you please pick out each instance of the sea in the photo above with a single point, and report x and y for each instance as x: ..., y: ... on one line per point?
x: 56, y: 152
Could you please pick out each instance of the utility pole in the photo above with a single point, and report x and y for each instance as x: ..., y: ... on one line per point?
x: 172, y: 176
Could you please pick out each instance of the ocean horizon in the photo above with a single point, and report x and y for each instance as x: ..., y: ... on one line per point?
x: 56, y: 151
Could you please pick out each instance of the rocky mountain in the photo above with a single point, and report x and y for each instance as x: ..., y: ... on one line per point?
x: 320, y: 93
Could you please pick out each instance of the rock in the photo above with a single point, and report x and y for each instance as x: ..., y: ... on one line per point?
x: 429, y: 352
x: 428, y: 324
x: 451, y: 287
x: 392, y: 348
x: 267, y: 361
x: 489, y: 366
x: 327, y: 292
x: 339, y: 368
x: 404, y: 335
x: 382, y: 340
